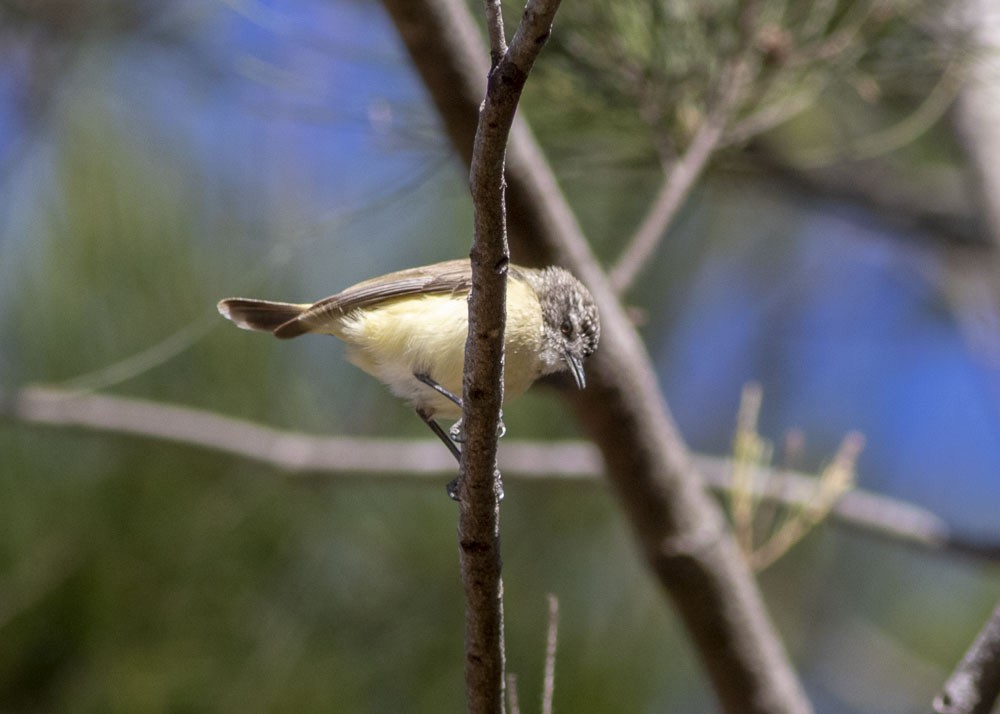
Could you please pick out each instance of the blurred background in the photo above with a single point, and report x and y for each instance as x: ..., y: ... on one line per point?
x: 156, y: 157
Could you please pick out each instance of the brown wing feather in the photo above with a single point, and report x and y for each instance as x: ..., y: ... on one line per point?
x: 451, y: 276
x: 263, y: 315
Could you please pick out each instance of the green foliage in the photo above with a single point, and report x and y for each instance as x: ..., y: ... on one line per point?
x: 651, y: 71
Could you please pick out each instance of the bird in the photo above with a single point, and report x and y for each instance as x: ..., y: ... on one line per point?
x: 408, y: 329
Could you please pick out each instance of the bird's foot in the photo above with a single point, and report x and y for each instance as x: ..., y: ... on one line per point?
x: 455, y: 485
x: 457, y: 430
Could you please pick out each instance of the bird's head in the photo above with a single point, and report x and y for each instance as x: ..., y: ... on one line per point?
x: 572, y: 327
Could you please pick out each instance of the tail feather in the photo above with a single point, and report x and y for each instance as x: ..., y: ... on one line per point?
x: 262, y: 315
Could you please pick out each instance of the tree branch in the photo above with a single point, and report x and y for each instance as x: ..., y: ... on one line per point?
x: 975, y: 684
x: 482, y: 389
x: 358, y: 457
x: 494, y: 29
x: 679, y: 528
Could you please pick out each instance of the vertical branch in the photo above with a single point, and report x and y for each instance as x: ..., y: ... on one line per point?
x: 482, y: 388
x: 494, y: 28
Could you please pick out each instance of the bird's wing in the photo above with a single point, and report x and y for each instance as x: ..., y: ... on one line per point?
x: 452, y: 276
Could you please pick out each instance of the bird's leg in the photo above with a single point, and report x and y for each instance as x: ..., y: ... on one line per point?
x: 440, y: 433
x: 452, y: 487
x: 436, y: 386
x: 455, y: 433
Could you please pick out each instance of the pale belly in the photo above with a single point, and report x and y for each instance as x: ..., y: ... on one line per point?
x: 427, y: 335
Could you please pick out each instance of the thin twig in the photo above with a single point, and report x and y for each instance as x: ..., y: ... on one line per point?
x: 482, y: 392
x: 974, y: 686
x: 749, y: 451
x: 551, y: 641
x: 770, y: 116
x: 677, y: 184
x: 494, y: 29
x: 682, y: 174
x: 835, y: 481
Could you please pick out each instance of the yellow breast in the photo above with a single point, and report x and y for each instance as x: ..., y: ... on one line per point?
x: 426, y: 334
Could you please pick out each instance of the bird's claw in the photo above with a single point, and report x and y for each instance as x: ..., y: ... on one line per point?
x: 457, y: 430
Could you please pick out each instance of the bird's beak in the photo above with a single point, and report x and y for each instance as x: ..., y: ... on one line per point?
x: 575, y: 364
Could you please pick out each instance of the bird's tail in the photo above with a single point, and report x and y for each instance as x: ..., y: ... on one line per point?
x: 262, y: 315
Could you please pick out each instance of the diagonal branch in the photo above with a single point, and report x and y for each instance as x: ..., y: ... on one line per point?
x: 679, y: 528
x: 681, y: 176
x: 674, y: 190
x: 974, y: 686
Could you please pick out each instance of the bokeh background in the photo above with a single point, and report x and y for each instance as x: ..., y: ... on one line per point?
x: 155, y: 158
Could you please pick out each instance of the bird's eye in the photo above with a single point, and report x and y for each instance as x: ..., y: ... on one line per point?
x: 566, y: 328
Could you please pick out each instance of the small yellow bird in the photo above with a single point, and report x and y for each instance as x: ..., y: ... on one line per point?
x: 408, y: 329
